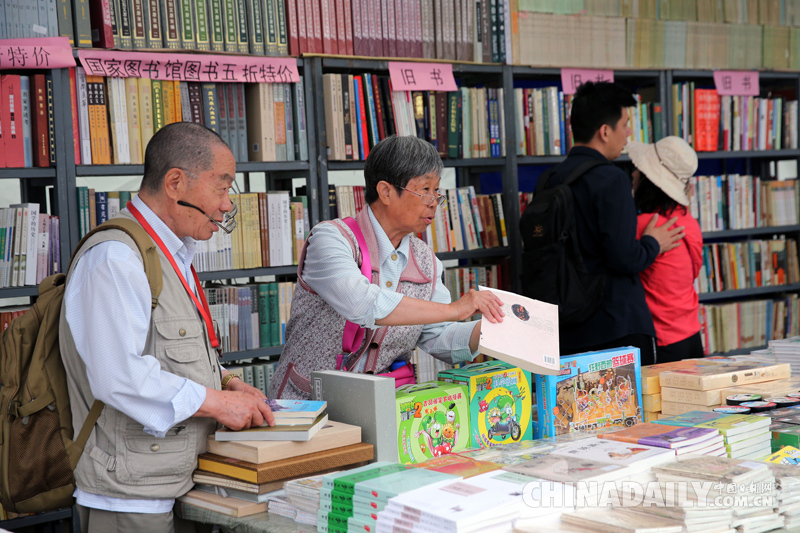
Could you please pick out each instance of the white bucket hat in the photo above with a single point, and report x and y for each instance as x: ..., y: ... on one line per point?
x: 669, y: 164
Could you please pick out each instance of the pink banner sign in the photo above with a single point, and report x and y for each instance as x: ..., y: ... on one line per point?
x: 189, y: 67
x: 422, y: 76
x: 736, y: 82
x: 572, y: 78
x: 42, y: 52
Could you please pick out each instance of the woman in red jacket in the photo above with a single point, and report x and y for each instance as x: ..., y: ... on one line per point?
x: 660, y: 180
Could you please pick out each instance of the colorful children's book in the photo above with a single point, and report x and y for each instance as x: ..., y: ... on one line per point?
x: 500, y: 401
x: 592, y: 390
x: 661, y: 435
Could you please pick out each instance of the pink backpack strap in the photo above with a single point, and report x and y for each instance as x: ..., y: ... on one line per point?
x: 354, y: 334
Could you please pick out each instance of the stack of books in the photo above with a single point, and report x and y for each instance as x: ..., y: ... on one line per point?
x: 295, y: 420
x: 303, y: 493
x: 783, y: 465
x: 749, y: 484
x: 281, y: 505
x: 785, y: 351
x: 746, y: 436
x: 651, y: 387
x: 703, y: 387
x: 683, y: 440
x: 250, y: 470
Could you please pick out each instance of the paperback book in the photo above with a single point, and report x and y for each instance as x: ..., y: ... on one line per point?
x: 299, y: 432
x: 661, y: 435
x: 288, y: 412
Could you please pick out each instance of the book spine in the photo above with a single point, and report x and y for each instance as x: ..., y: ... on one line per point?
x: 216, y: 25
x: 123, y: 36
x: 104, y: 24
x: 242, y: 37
x: 83, y: 26
x: 255, y: 26
x: 283, y: 39
x: 271, y: 28
x: 153, y: 27
x: 187, y: 29
x: 138, y: 23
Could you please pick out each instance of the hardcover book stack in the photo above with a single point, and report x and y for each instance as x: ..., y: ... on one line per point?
x: 702, y: 387
x: 114, y: 118
x: 746, y: 436
x: 260, y: 467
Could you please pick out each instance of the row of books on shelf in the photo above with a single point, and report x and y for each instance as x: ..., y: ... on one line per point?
x: 114, y: 118
x: 30, y: 248
x: 545, y: 127
x: 460, y: 280
x: 272, y: 228
x: 361, y: 110
x: 710, y: 122
x: 26, y: 121
x: 250, y: 316
x: 755, y: 263
x: 467, y: 221
x: 767, y: 12
x: 735, y: 201
x: 611, y: 42
x: 748, y: 324
x: 456, y: 30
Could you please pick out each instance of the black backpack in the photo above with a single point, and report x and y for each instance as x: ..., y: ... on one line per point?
x: 553, y: 269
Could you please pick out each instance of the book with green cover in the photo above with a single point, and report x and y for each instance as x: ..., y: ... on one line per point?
x: 216, y: 25
x: 201, y: 24
x: 346, y: 484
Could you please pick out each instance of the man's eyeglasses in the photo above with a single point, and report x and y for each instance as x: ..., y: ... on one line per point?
x: 427, y: 199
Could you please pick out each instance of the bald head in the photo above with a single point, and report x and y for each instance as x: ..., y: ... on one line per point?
x: 183, y: 145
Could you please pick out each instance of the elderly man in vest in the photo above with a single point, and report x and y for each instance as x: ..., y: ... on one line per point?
x: 402, y: 304
x: 157, y: 371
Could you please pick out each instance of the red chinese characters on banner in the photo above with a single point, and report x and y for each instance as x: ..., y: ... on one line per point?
x: 189, y: 67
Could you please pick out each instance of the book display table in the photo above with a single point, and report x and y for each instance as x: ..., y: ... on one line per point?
x: 257, y: 523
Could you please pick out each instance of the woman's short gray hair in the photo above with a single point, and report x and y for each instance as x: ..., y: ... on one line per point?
x: 396, y: 160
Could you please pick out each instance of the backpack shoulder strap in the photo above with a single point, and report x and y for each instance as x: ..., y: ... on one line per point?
x: 543, y: 179
x: 152, y: 263
x: 582, y: 169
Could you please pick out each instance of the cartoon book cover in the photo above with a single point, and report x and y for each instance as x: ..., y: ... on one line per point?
x: 458, y: 466
x: 592, y: 390
x: 565, y: 468
x: 614, y: 452
x: 500, y: 401
x: 432, y: 420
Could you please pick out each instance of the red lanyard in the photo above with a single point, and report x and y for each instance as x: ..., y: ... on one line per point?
x: 205, y: 312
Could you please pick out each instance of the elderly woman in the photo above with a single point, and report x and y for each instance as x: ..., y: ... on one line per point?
x: 402, y: 304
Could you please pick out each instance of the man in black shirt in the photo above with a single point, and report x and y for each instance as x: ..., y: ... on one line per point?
x: 605, y: 217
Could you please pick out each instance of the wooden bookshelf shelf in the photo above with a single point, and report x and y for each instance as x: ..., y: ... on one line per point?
x: 750, y: 291
x: 733, y: 233
x: 270, y: 351
x: 27, y: 173
x: 247, y: 273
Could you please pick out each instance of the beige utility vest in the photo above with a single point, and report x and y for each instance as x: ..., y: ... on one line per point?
x: 121, y: 460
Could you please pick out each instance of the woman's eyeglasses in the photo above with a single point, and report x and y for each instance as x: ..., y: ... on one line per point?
x: 427, y: 199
